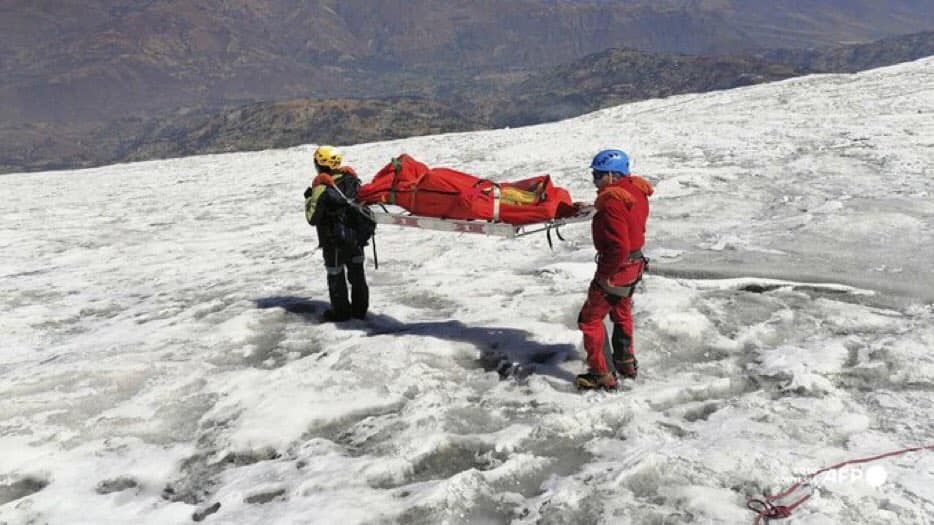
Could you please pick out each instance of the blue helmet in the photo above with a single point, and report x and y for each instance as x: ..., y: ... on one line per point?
x: 611, y: 160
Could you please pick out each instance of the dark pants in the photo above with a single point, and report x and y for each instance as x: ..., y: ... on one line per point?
x: 335, y: 260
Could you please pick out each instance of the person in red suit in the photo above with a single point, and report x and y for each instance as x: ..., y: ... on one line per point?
x: 618, y: 230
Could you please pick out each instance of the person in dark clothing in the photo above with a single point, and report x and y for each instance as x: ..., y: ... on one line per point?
x: 343, y: 231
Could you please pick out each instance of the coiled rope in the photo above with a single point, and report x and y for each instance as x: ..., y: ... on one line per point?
x: 765, y: 509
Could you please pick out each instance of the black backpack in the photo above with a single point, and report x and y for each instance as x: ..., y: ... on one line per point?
x: 360, y: 221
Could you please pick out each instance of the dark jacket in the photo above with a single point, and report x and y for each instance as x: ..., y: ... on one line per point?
x: 329, y: 210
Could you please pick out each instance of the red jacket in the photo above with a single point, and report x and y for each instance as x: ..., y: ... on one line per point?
x: 618, y: 228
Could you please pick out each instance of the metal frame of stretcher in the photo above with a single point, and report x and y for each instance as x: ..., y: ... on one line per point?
x: 495, y: 228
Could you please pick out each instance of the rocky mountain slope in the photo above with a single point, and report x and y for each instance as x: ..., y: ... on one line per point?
x: 90, y: 82
x: 858, y: 57
x: 282, y: 124
x: 70, y: 60
x: 601, y: 80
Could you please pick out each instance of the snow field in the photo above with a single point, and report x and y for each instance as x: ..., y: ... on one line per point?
x: 160, y: 352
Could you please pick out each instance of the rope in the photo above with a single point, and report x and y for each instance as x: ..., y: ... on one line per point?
x: 397, y: 170
x: 765, y: 509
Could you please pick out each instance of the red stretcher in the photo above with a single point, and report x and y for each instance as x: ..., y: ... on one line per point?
x: 449, y: 200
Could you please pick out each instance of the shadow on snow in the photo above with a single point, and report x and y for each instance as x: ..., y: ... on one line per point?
x: 509, y: 351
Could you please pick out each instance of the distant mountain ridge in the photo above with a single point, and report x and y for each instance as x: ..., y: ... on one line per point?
x: 281, y: 124
x: 604, y: 79
x: 106, y: 59
x: 84, y: 82
x: 618, y: 76
x: 858, y: 57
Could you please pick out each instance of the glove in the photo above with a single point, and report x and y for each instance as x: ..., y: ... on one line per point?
x: 323, y: 178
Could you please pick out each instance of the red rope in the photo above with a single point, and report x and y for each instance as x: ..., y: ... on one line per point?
x: 765, y: 509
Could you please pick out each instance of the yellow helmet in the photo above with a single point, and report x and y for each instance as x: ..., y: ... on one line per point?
x: 328, y: 156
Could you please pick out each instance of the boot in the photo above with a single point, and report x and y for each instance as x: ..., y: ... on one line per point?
x: 627, y: 367
x: 333, y: 316
x: 592, y: 381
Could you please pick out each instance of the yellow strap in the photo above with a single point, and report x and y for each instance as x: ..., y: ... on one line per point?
x: 312, y: 201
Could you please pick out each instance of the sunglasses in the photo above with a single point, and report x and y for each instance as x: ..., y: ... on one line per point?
x: 597, y: 174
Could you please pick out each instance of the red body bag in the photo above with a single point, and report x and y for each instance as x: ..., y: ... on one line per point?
x: 451, y: 194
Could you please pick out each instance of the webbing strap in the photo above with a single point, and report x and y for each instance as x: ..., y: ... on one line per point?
x: 634, y: 255
x: 397, y: 168
x: 622, y: 291
x: 626, y: 290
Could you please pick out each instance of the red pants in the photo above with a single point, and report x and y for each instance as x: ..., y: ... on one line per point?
x: 590, y: 322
